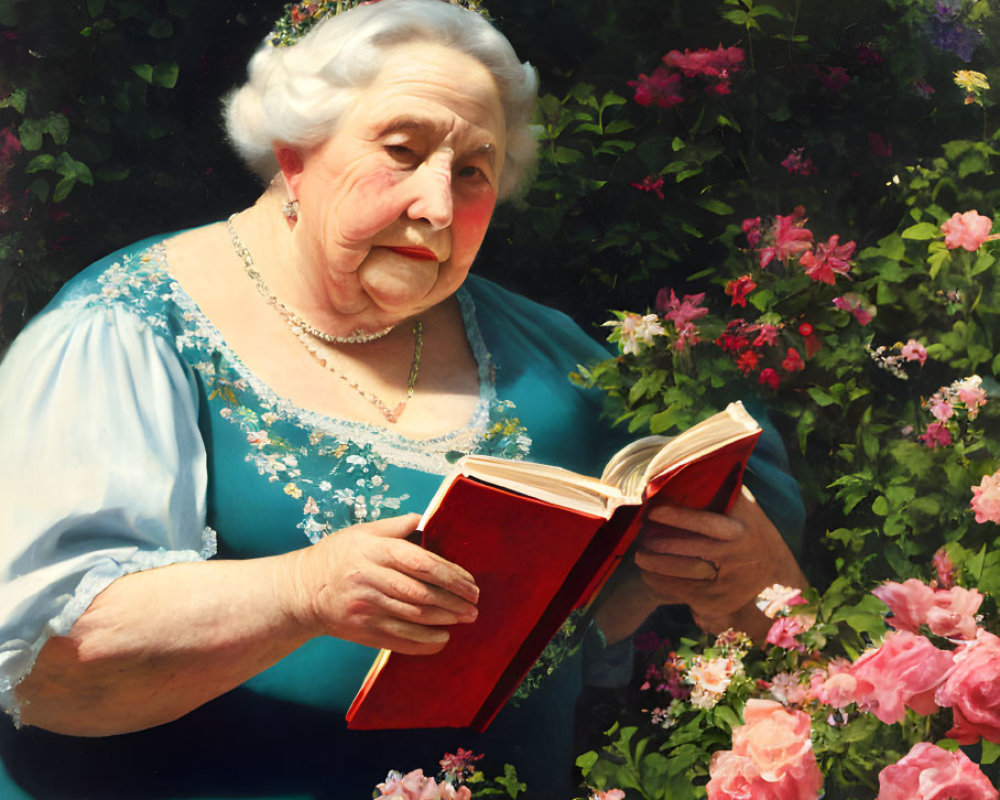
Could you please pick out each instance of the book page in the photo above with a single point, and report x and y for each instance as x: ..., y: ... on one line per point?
x: 632, y: 467
x: 544, y: 482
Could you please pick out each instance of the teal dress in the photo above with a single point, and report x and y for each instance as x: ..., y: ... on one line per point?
x: 133, y: 437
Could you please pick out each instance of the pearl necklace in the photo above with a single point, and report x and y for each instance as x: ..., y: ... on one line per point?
x: 303, y: 331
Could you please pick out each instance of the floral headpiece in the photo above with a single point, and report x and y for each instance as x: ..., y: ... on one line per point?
x: 300, y: 18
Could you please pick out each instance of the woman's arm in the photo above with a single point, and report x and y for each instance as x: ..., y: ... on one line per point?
x: 156, y: 644
x: 715, y: 564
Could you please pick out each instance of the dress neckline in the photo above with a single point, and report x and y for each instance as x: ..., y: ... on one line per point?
x: 382, y: 438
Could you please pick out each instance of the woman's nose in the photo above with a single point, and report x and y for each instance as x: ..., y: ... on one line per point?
x: 432, y: 193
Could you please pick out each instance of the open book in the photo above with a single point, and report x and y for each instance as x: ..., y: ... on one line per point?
x: 540, y: 542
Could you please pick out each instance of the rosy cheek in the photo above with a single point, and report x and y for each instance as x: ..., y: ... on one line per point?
x: 470, y: 220
x: 377, y: 195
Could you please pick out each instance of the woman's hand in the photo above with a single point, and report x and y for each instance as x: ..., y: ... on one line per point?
x: 715, y: 564
x: 370, y: 585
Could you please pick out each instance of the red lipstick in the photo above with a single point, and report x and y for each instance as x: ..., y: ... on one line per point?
x: 420, y: 253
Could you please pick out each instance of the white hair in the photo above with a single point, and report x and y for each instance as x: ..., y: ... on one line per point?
x: 298, y: 94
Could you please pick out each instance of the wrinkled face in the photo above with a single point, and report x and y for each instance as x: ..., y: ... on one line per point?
x: 394, y: 206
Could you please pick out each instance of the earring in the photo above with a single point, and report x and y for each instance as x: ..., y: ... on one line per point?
x: 291, y: 210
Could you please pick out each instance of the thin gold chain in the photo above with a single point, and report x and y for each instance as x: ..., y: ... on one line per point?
x: 303, y: 333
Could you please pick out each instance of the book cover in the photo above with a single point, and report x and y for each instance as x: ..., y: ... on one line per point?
x: 535, y: 561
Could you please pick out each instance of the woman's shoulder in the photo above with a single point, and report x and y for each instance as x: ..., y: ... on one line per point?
x: 518, y: 320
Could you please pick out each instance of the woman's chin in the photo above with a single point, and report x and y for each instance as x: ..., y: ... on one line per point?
x: 398, y: 287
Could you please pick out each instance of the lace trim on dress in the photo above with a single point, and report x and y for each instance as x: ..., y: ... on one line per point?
x: 428, y: 455
x: 20, y: 656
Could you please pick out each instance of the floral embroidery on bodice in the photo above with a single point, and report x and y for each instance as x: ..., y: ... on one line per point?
x: 337, y: 470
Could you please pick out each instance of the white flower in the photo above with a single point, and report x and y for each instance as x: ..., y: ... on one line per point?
x: 711, y: 678
x: 310, y: 507
x: 634, y: 328
x: 325, y: 486
x: 778, y: 599
x: 269, y: 417
x: 258, y: 438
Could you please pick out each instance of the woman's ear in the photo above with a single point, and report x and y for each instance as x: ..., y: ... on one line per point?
x: 290, y: 163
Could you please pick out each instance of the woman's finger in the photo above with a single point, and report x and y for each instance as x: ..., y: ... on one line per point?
x: 430, y: 568
x: 671, y: 567
x: 707, y: 523
x: 420, y: 602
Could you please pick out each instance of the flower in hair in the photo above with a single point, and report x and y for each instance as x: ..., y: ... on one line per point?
x: 300, y: 18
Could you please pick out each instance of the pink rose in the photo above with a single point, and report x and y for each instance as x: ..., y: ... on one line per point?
x: 784, y: 630
x: 414, y: 786
x: 968, y: 230
x: 986, y: 499
x: 928, y: 772
x: 947, y: 612
x: 772, y: 757
x: 914, y: 351
x: 836, y: 686
x: 972, y: 690
x: 905, y: 671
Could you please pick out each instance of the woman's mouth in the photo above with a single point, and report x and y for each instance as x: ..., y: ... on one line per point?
x: 419, y: 253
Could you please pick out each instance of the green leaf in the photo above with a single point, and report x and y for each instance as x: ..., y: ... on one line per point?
x: 880, y: 506
x: 991, y: 752
x: 165, y: 75
x: 63, y: 188
x: 95, y: 7
x: 587, y: 761
x: 820, y: 397
x: 40, y: 189
x: 713, y: 205
x: 15, y: 100
x: 665, y: 420
x: 41, y: 162
x: 922, y: 231
x: 30, y: 133
x: 161, y: 28
x: 144, y: 71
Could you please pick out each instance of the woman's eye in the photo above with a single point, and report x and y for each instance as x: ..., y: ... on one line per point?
x: 400, y: 152
x: 472, y: 173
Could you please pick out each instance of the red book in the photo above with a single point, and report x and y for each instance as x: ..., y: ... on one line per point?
x: 540, y: 542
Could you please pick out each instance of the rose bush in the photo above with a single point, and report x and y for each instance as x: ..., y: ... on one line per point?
x: 929, y: 773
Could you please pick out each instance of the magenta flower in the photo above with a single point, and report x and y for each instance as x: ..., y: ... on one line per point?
x: 797, y: 163
x: 936, y: 435
x: 857, y: 306
x: 968, y: 230
x: 828, y: 260
x: 682, y: 311
x: 787, y: 238
x: 459, y: 765
x: 783, y: 631
x: 739, y: 289
x: 751, y: 227
x: 986, y: 499
x: 929, y: 772
x: 662, y: 89
x: 880, y: 147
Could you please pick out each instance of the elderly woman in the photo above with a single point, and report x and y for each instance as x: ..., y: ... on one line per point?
x: 214, y: 444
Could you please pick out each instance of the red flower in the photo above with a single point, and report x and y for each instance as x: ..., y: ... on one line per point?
x: 719, y: 65
x: 793, y: 361
x: 797, y: 163
x: 788, y: 237
x: 751, y: 227
x: 736, y: 336
x: 834, y: 79
x: 880, y: 147
x: 828, y: 261
x: 10, y: 145
x: 662, y: 88
x: 767, y: 337
x: 651, y: 183
x: 936, y: 435
x: 747, y: 361
x: 769, y: 377
x: 739, y: 289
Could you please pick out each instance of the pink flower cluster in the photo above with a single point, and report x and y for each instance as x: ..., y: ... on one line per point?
x: 787, y: 238
x: 858, y: 307
x: 946, y: 612
x: 683, y: 313
x: 771, y: 757
x: 459, y: 765
x: 652, y: 184
x: 414, y: 786
x: 893, y: 359
x: 968, y: 230
x: 663, y: 87
x: 966, y: 393
x: 929, y: 772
